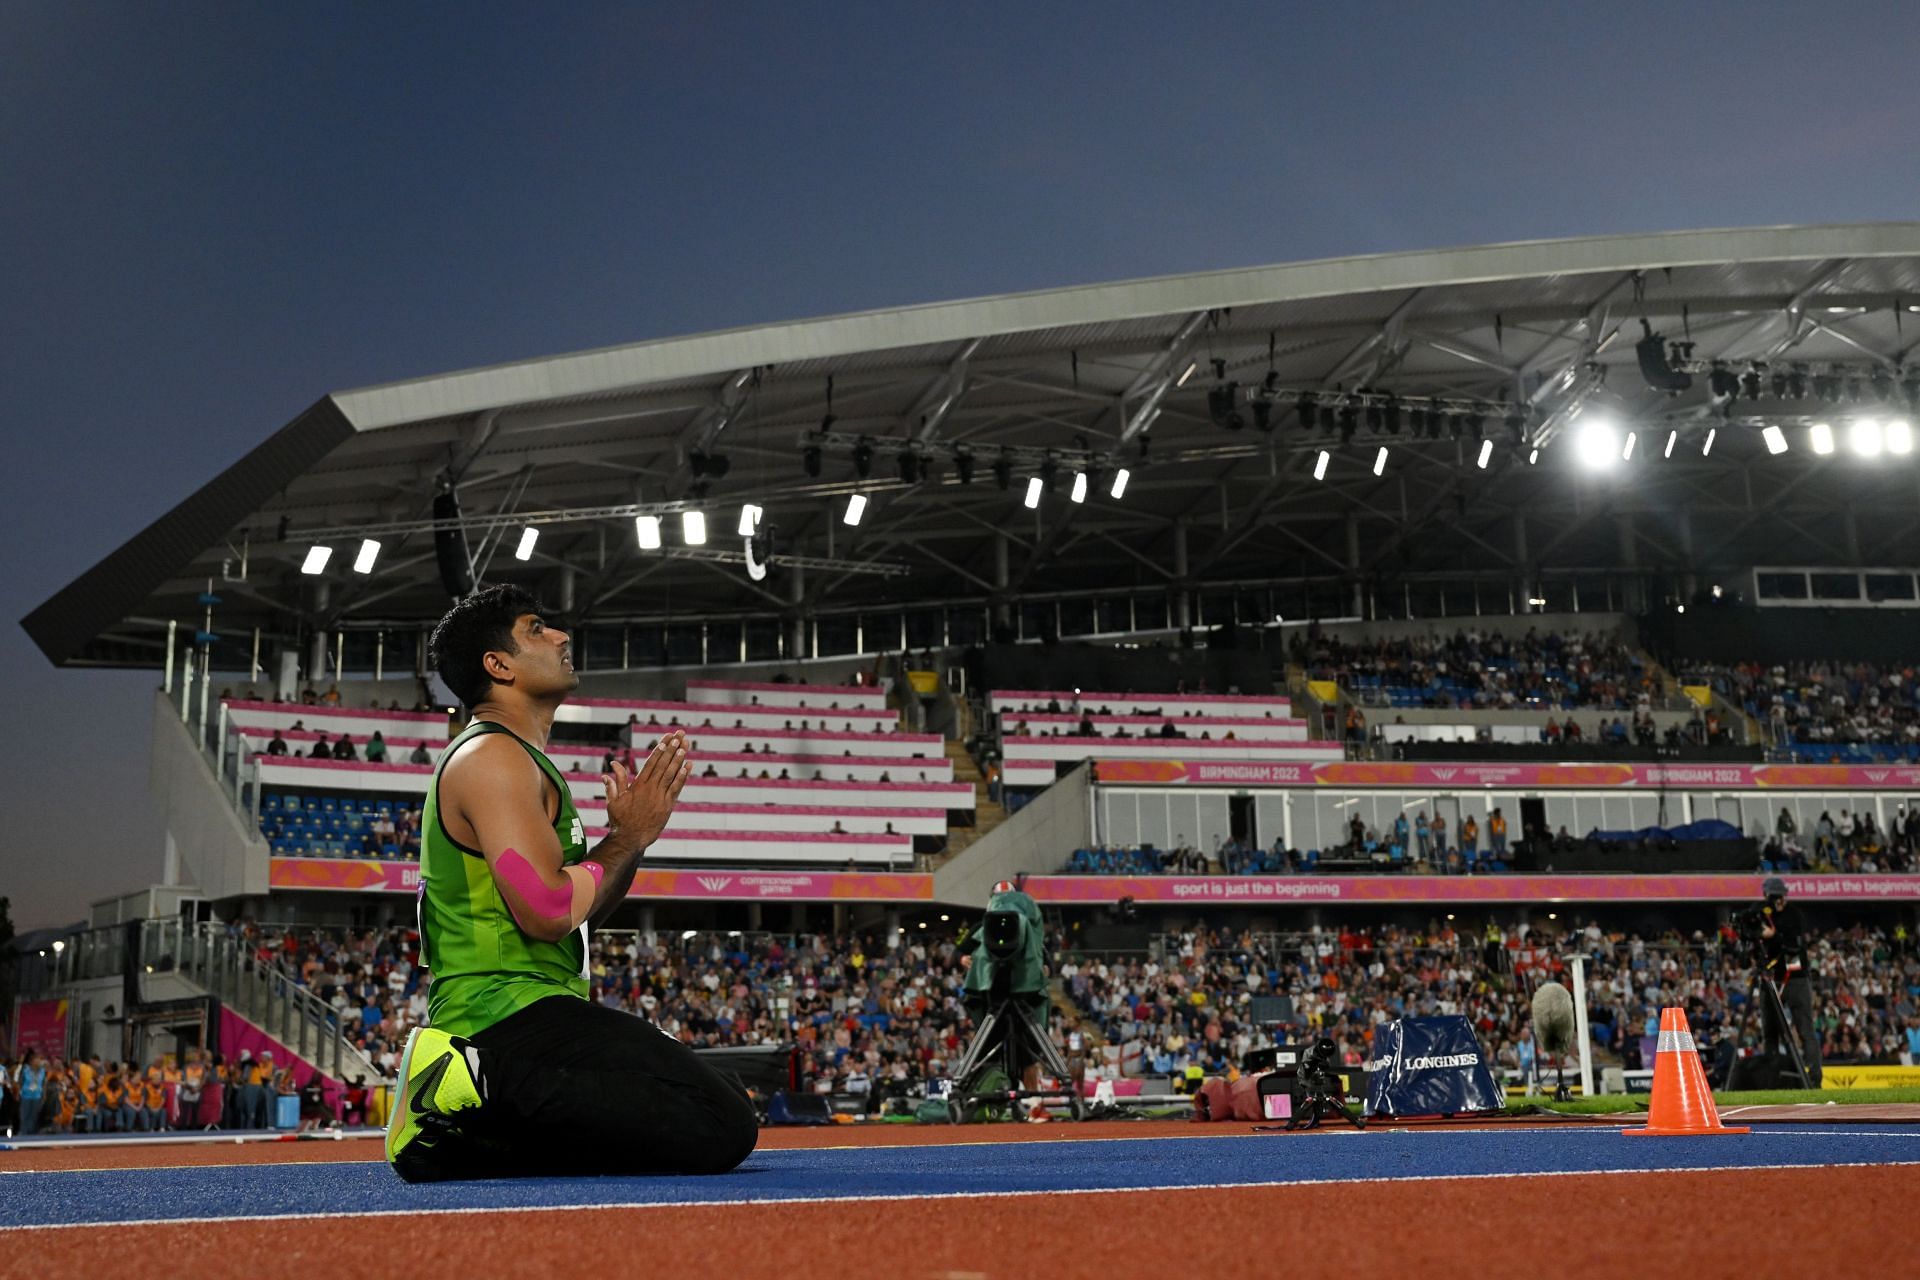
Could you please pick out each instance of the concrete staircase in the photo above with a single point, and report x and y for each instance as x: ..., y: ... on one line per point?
x: 986, y: 814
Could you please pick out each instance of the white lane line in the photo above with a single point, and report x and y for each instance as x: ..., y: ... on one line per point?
x: 765, y: 1201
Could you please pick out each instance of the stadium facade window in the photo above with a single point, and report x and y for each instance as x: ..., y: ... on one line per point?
x: 723, y: 641
x: 1076, y: 617
x: 926, y: 629
x: 837, y: 634
x: 1036, y: 619
x: 358, y: 651
x: 646, y: 645
x: 763, y: 639
x: 1883, y: 587
x: 601, y: 648
x: 1113, y: 616
x: 1329, y: 600
x: 1593, y: 595
x: 1835, y: 586
x: 1149, y: 612
x: 967, y: 624
x: 1461, y: 599
x: 684, y: 644
x: 1780, y: 586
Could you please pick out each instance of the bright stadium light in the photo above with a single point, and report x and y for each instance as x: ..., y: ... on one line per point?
x: 1863, y: 437
x: 1899, y: 436
x: 1598, y: 443
x: 693, y: 528
x: 1777, y: 440
x: 1079, y: 493
x: 648, y: 527
x: 1533, y: 456
x: 1380, y: 461
x: 1673, y: 438
x: 528, y: 536
x: 1820, y: 438
x: 1187, y: 372
x: 1320, y: 465
x: 368, y: 553
x: 316, y: 561
x: 1486, y: 453
x: 1706, y: 449
x: 1626, y: 452
x: 1033, y: 492
x: 1120, y: 479
x: 749, y: 519
x: 856, y: 507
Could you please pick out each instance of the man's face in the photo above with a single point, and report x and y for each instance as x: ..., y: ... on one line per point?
x: 544, y: 664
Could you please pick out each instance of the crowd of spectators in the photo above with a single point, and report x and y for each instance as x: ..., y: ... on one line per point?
x: 1191, y: 1006
x: 1822, y: 704
x: 190, y: 1092
x: 1472, y: 670
x: 1422, y: 844
x: 1852, y: 843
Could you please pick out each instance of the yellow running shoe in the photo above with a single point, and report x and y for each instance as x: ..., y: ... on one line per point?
x: 436, y: 1083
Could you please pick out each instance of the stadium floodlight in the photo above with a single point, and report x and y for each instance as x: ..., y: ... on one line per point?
x: 1486, y: 453
x: 528, y: 536
x: 1863, y: 437
x: 1706, y: 450
x: 1320, y: 465
x: 1120, y: 479
x: 1599, y: 443
x: 1533, y: 456
x: 1626, y: 450
x: 856, y: 507
x: 1899, y: 436
x: 1079, y: 493
x: 368, y: 553
x: 1777, y: 440
x: 1380, y: 461
x: 1820, y: 438
x: 316, y: 561
x: 1673, y: 438
x: 693, y: 528
x: 1193, y: 367
x: 1034, y: 486
x: 648, y: 527
x: 750, y: 513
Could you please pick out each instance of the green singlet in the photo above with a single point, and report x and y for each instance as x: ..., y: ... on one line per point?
x: 484, y: 968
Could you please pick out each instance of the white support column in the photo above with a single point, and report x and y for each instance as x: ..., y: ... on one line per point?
x: 166, y: 672
x: 1580, y: 1030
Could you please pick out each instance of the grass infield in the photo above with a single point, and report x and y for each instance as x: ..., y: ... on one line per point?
x: 1610, y: 1103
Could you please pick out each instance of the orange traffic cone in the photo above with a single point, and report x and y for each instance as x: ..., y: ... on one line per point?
x: 1682, y: 1103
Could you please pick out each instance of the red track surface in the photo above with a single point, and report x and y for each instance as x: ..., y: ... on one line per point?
x: 1749, y: 1223
x: 1753, y: 1224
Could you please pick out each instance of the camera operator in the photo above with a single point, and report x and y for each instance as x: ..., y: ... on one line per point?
x: 1784, y: 959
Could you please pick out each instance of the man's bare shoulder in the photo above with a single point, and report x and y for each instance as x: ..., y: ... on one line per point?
x: 489, y: 761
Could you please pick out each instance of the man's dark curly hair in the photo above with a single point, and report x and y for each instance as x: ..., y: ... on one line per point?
x: 480, y: 624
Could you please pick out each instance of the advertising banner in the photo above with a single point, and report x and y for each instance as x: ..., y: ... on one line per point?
x: 1239, y: 890
x: 361, y: 875
x: 42, y: 1025
x: 1834, y: 1076
x: 1392, y: 774
x: 1429, y: 1067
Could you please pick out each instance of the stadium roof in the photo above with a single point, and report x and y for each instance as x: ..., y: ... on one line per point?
x: 1111, y: 375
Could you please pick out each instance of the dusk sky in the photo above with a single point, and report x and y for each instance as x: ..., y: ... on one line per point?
x: 214, y: 214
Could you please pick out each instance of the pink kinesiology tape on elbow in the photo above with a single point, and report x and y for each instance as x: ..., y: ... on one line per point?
x: 545, y: 902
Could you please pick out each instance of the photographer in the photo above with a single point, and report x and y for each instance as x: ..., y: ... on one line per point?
x: 1784, y: 960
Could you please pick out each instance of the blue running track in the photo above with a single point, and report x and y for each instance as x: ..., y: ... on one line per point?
x: 326, y: 1188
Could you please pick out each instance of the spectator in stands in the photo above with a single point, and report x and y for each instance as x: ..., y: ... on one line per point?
x: 153, y: 1101
x: 1497, y: 835
x: 1440, y: 833
x: 322, y: 749
x: 1550, y: 733
x: 1401, y: 831
x: 343, y: 748
x: 710, y: 772
x: 1086, y: 729
x: 1784, y: 826
x: 376, y: 749
x: 1423, y: 835
x: 1470, y: 838
x: 838, y: 829
x: 276, y: 745
x: 188, y: 1094
x: 783, y: 777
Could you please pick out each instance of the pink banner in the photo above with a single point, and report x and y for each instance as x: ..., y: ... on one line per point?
x: 1390, y: 774
x: 1232, y: 890
x: 42, y: 1026
x: 236, y: 1034
x: 753, y: 886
